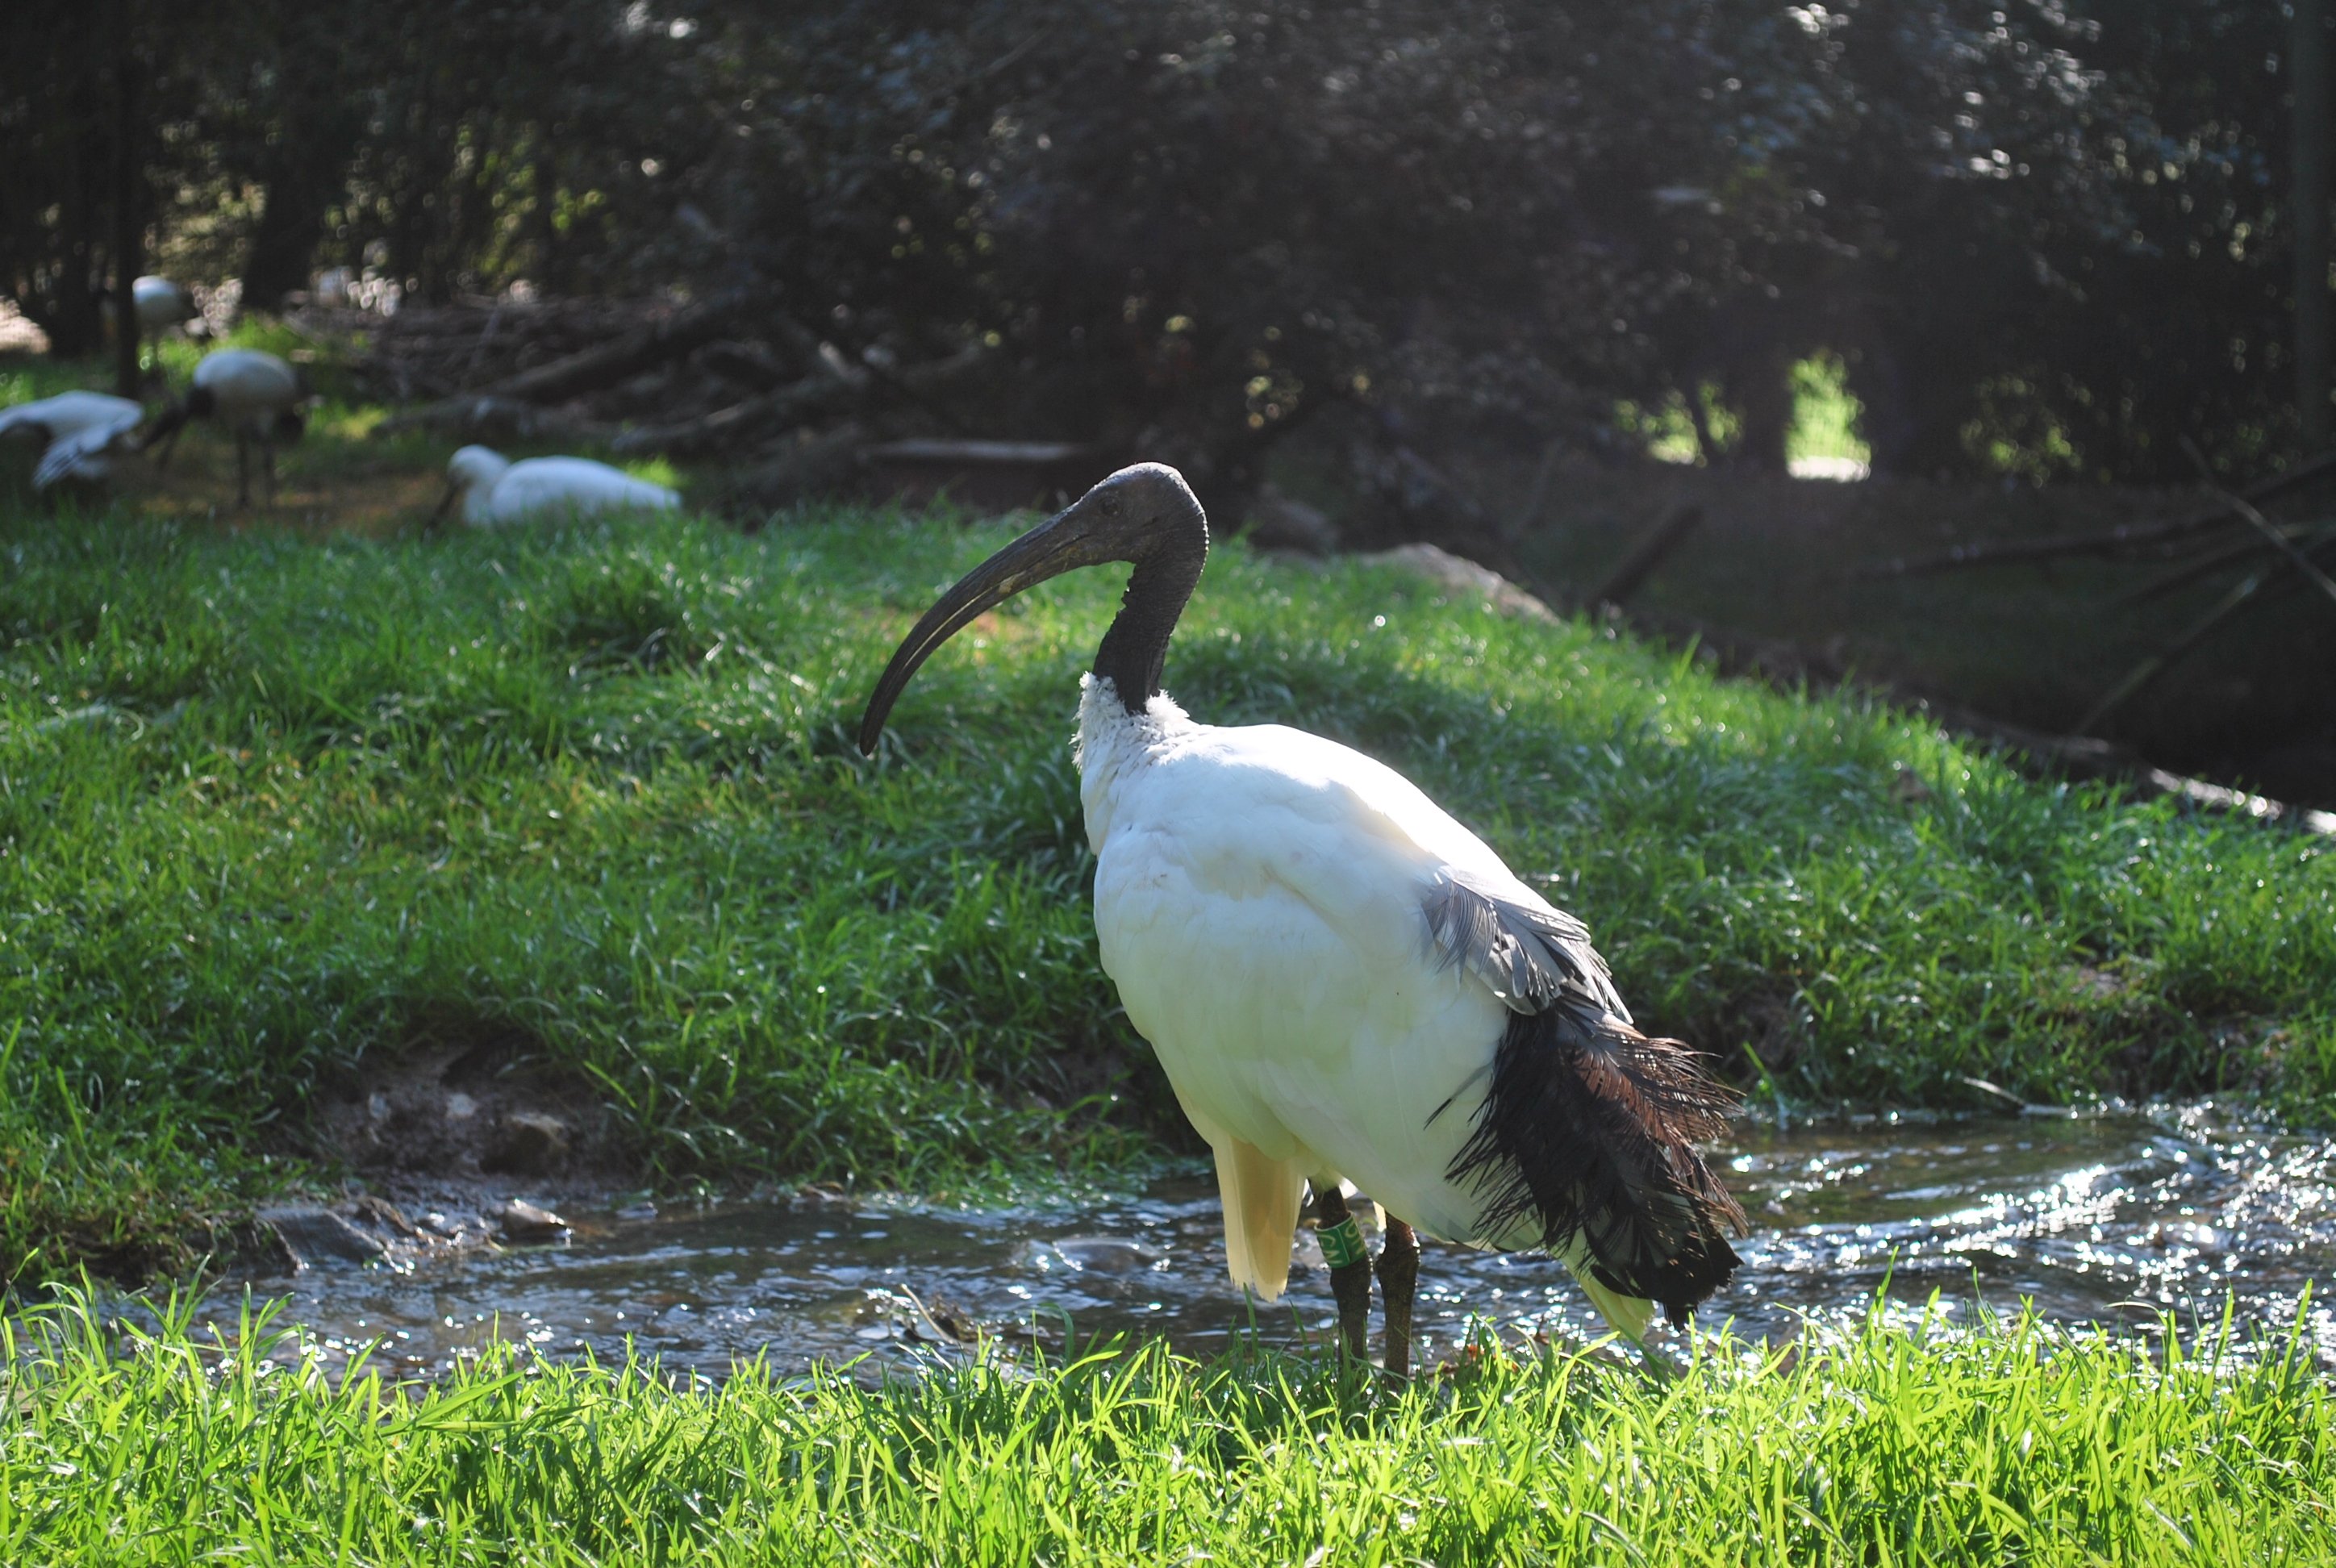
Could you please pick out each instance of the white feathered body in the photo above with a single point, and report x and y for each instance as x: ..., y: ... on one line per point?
x: 499, y: 491
x: 161, y: 304
x: 249, y: 388
x: 1259, y: 901
x: 82, y: 430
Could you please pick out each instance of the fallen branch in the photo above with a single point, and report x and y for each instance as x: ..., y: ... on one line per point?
x: 1788, y: 667
x: 2312, y: 536
x: 2174, y: 653
x: 813, y: 465
x: 1669, y: 532
x: 740, y: 424
x: 814, y: 397
x: 2124, y: 537
x: 490, y: 418
x: 626, y: 355
x: 748, y: 364
x: 2165, y: 658
x: 1528, y: 516
x: 2296, y: 555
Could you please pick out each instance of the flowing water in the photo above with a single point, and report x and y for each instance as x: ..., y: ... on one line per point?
x: 2115, y: 1219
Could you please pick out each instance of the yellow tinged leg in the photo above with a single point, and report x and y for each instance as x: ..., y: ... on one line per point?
x: 1260, y: 1198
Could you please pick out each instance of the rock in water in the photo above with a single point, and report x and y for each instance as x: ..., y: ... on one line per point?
x: 523, y: 1222
x: 318, y: 1238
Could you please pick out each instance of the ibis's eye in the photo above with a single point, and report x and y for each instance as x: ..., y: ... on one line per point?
x: 1109, y: 502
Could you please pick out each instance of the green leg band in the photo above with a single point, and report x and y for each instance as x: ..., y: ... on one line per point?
x: 1342, y: 1243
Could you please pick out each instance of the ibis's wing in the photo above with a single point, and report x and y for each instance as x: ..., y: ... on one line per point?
x: 1588, y: 1126
x: 1531, y: 954
x: 86, y: 454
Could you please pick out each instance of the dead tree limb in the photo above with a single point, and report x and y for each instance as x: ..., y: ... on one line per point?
x: 740, y: 424
x: 1528, y: 516
x: 814, y: 397
x: 810, y: 466
x: 2310, y: 535
x: 2296, y: 555
x: 2282, y: 571
x: 1787, y: 666
x: 2158, y: 663
x: 628, y: 354
x: 2110, y: 541
x: 748, y: 364
x: 1630, y: 574
x: 487, y: 418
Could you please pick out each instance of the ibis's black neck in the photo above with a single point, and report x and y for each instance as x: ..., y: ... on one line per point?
x: 1136, y: 649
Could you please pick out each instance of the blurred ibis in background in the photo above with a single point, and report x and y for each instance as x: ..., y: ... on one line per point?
x: 159, y: 305
x: 80, y: 434
x: 493, y: 489
x: 255, y: 395
x: 1347, y: 988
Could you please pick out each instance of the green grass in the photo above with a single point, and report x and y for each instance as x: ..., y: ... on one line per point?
x: 1824, y: 418
x: 1884, y: 1446
x: 274, y: 809
x: 1824, y: 412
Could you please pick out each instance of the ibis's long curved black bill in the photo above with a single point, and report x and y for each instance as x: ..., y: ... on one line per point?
x: 1055, y: 546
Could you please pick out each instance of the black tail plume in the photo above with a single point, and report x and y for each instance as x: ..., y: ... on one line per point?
x: 1590, y: 1128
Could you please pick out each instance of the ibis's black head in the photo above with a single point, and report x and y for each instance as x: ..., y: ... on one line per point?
x: 1147, y: 515
x: 201, y: 403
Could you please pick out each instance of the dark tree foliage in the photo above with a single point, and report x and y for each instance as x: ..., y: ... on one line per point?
x: 2043, y: 236
x: 81, y: 84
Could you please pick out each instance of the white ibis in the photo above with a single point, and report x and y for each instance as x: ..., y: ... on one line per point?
x: 255, y: 395
x: 493, y: 489
x: 159, y: 305
x: 1345, y: 984
x: 80, y: 433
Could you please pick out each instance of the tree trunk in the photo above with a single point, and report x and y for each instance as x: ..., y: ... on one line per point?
x: 300, y: 187
x: 2310, y: 161
x: 129, y: 176
x: 1761, y: 389
x: 73, y: 324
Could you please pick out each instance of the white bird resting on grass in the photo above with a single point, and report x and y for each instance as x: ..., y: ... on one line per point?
x: 1345, y: 986
x: 493, y: 489
x: 81, y: 433
x: 255, y: 395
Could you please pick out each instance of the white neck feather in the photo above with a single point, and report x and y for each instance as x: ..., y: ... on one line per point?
x: 1113, y: 743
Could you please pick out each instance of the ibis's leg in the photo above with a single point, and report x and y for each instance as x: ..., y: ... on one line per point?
x: 242, y: 469
x: 1398, y: 1275
x: 1350, y: 1268
x: 267, y: 468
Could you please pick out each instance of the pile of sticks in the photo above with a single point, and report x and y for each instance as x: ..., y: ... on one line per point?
x: 728, y: 379
x: 2228, y: 537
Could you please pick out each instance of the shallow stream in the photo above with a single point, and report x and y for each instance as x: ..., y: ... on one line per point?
x: 2115, y: 1218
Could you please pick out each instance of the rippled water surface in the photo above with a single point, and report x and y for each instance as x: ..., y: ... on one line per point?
x: 2112, y: 1218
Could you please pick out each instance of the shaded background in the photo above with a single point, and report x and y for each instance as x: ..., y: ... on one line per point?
x: 1518, y: 278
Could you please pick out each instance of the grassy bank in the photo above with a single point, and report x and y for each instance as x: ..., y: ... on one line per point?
x: 277, y: 810
x: 1885, y: 1448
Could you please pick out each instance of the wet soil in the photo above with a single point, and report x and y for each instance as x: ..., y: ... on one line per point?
x: 466, y: 1140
